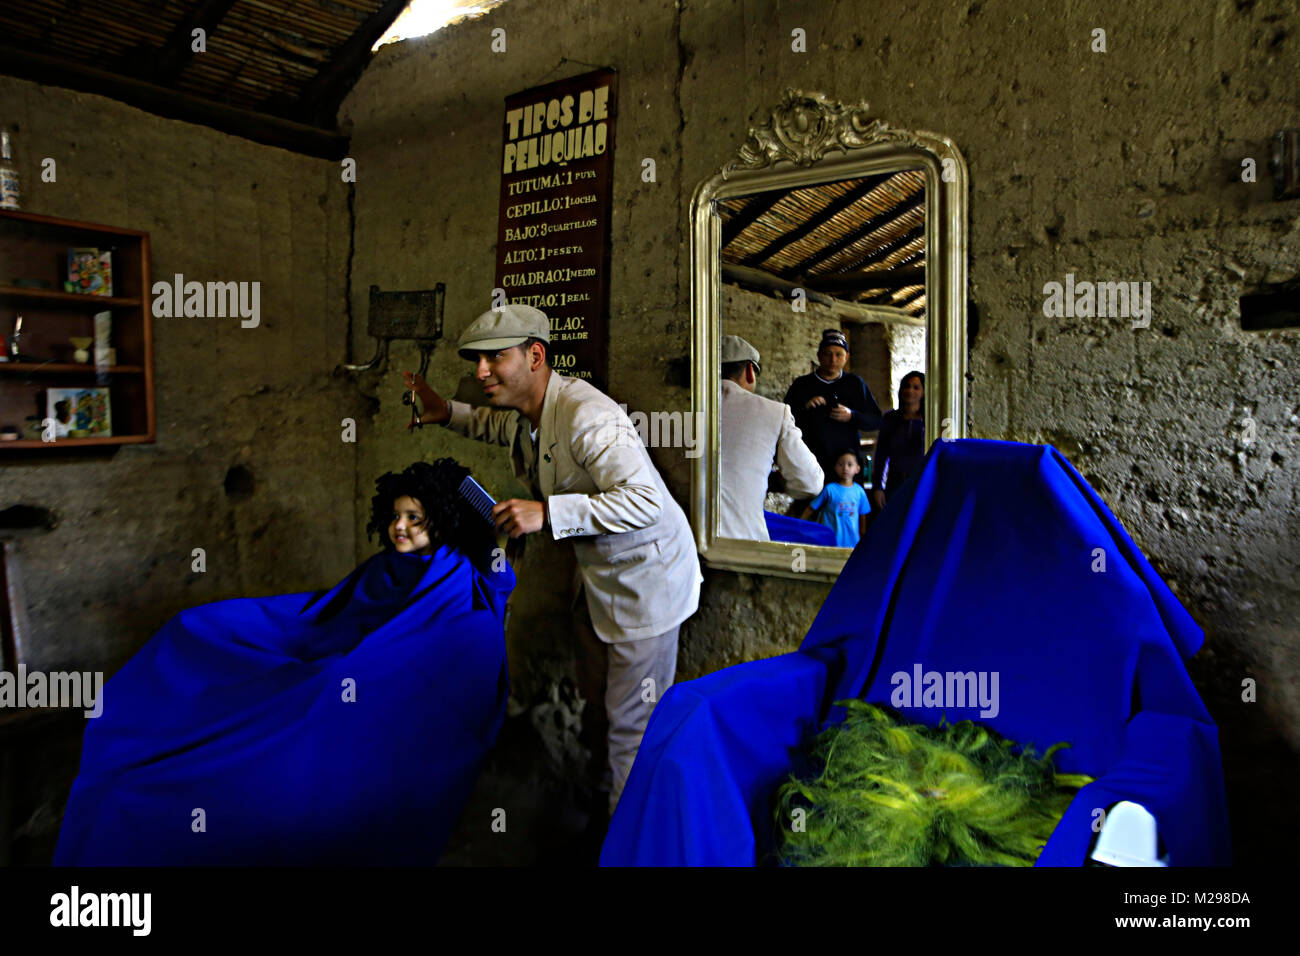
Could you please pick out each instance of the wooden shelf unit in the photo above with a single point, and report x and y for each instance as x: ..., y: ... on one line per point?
x: 33, y: 246
x: 94, y: 303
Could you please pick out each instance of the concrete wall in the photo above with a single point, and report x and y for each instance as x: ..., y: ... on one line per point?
x: 1115, y: 165
x: 217, y: 207
x: 869, y: 357
x: 906, y: 353
x: 786, y: 340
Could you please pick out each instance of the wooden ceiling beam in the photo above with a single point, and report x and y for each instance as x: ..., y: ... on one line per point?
x: 833, y: 208
x: 854, y: 281
x: 759, y: 205
x: 270, y: 130
x: 883, y: 252
x: 769, y: 282
x: 913, y: 298
x: 858, y: 234
x: 858, y: 312
x: 887, y: 299
x: 177, y: 51
x: 749, y: 277
x: 320, y: 99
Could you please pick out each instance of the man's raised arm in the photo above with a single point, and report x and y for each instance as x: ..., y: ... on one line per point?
x: 484, y: 424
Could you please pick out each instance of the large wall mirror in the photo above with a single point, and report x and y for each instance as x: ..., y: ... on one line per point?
x: 832, y: 250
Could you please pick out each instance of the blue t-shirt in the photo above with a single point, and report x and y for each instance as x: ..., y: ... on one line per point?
x: 838, y: 507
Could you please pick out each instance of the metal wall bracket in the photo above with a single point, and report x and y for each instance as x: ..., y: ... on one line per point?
x: 404, y: 315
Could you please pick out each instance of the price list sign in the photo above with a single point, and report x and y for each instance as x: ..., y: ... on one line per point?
x: 557, y: 163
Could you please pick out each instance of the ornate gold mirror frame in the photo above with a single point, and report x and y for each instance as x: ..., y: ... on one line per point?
x: 808, y: 140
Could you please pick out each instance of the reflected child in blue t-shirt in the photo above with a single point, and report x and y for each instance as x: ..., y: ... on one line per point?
x: 842, y: 506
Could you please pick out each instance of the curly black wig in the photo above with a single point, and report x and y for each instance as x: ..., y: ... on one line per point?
x: 448, y: 517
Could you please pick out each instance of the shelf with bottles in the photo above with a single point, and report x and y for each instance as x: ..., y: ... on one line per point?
x: 94, y: 351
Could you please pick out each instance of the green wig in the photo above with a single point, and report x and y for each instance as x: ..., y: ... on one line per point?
x: 890, y: 793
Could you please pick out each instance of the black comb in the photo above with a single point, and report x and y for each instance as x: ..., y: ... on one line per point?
x: 477, y: 498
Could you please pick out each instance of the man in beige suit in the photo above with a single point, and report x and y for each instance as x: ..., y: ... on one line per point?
x: 755, y: 432
x: 594, y: 483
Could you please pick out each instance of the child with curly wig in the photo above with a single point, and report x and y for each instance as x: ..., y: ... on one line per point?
x: 420, y: 509
x: 342, y: 727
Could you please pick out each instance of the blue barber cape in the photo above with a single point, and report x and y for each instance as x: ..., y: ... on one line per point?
x: 797, y: 531
x: 996, y: 558
x: 238, y: 709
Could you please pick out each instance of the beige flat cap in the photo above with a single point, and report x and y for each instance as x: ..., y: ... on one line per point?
x: 502, y: 328
x: 736, y: 349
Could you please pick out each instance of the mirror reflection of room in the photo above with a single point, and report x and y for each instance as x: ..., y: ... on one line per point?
x: 822, y: 329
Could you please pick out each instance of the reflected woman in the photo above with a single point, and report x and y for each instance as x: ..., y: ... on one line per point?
x: 900, y: 449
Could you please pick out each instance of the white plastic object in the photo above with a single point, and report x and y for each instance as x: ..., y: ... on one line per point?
x: 1128, y: 837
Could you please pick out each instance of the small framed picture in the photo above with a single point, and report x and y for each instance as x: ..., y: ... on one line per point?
x: 79, y: 412
x: 90, y: 272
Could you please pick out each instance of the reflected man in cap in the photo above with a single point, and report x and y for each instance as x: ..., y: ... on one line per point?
x: 831, y: 406
x: 755, y: 432
x: 593, y: 482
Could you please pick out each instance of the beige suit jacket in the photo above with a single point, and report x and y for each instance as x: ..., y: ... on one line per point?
x: 634, y: 546
x: 755, y: 432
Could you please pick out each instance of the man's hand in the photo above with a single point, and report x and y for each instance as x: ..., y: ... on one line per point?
x: 436, y: 410
x: 877, y: 499
x: 815, y: 402
x: 518, y: 516
x: 841, y: 413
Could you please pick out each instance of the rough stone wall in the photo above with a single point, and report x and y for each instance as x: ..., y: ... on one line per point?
x: 869, y: 357
x: 786, y: 340
x: 906, y: 352
x: 262, y: 399
x: 1116, y: 165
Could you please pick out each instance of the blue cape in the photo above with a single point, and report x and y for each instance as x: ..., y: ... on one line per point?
x: 797, y: 531
x: 239, y: 709
x: 995, y: 558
